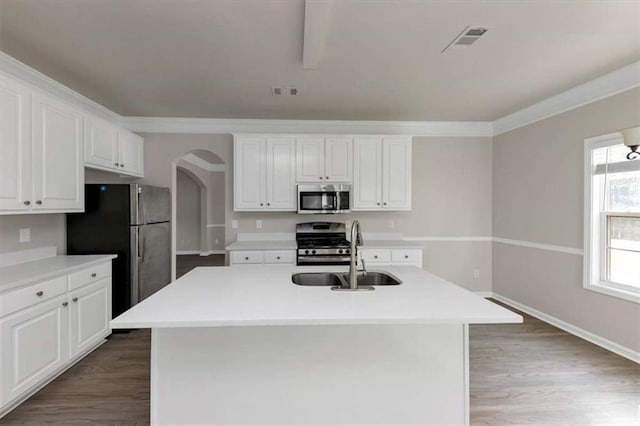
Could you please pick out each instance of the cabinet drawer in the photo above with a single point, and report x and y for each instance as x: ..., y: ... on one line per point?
x: 376, y: 256
x: 23, y: 298
x: 89, y: 275
x: 406, y: 256
x: 279, y: 256
x: 247, y: 257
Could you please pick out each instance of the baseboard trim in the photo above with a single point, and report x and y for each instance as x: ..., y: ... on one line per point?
x: 616, y: 348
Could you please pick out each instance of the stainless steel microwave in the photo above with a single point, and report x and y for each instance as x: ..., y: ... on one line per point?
x: 324, y: 198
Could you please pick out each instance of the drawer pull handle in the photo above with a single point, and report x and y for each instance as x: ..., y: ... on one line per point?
x: 121, y: 165
x: 406, y: 256
x: 384, y: 204
x: 326, y: 177
x: 65, y: 304
x: 40, y: 293
x: 246, y: 258
x: 320, y: 177
x: 375, y: 257
x: 278, y: 257
x: 94, y: 275
x: 39, y: 202
x: 117, y: 164
x: 75, y: 299
x: 26, y: 203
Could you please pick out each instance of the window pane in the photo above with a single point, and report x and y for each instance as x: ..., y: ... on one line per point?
x: 624, y: 192
x: 624, y: 233
x: 624, y: 267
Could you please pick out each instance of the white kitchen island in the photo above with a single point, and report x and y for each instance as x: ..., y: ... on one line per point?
x: 247, y: 346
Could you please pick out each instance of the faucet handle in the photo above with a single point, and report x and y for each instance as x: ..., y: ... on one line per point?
x: 364, y: 267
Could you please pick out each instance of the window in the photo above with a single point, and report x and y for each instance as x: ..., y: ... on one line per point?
x: 612, y: 218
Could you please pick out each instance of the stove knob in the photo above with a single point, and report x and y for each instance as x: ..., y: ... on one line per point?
x: 339, y: 251
x: 347, y: 251
x: 313, y: 252
x: 306, y: 252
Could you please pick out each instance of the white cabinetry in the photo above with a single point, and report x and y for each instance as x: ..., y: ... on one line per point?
x: 324, y: 159
x: 15, y: 145
x: 110, y: 148
x: 382, y: 173
x: 266, y: 257
x: 399, y: 257
x: 264, y: 173
x: 47, y: 326
x: 41, y: 150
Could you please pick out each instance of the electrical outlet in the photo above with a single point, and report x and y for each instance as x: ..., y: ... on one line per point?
x: 476, y: 273
x: 234, y: 224
x: 392, y: 224
x: 258, y: 224
x: 25, y: 235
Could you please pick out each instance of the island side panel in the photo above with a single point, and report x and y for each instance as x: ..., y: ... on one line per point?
x: 295, y: 375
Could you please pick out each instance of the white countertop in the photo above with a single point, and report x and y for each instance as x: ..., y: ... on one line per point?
x: 264, y: 295
x: 263, y: 245
x: 26, y: 273
x: 291, y: 245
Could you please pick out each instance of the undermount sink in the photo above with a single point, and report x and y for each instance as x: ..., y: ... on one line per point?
x: 314, y: 279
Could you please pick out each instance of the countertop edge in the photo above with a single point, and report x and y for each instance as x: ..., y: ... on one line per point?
x: 52, y: 274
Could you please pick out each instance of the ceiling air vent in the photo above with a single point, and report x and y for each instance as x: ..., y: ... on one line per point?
x: 284, y: 91
x: 467, y: 37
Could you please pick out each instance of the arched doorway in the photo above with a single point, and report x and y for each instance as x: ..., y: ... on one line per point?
x: 199, y: 211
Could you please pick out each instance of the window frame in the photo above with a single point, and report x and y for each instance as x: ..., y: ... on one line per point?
x: 595, y: 229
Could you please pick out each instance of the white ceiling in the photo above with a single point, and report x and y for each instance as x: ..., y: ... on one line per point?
x: 381, y: 60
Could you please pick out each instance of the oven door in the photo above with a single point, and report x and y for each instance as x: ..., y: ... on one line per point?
x: 319, y: 199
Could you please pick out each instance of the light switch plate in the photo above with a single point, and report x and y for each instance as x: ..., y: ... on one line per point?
x: 234, y: 224
x: 25, y: 235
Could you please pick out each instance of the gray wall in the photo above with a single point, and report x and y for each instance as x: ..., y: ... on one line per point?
x: 538, y: 197
x: 46, y: 230
x: 188, y: 213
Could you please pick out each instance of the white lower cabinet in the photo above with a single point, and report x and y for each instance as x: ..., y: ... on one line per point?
x: 397, y: 257
x: 34, y: 346
x: 260, y: 257
x: 46, y: 327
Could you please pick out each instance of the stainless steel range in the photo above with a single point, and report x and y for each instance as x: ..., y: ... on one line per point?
x: 322, y: 243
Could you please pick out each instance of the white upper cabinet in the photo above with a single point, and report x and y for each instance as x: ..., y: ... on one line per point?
x: 110, y: 148
x: 58, y: 167
x: 264, y: 173
x: 100, y: 143
x: 321, y: 159
x: 281, y: 173
x: 310, y: 159
x: 130, y: 153
x: 338, y: 160
x: 249, y: 166
x: 41, y: 152
x: 15, y: 146
x: 396, y: 173
x: 382, y: 173
x: 367, y: 173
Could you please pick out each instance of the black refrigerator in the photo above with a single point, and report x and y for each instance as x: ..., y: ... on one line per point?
x: 134, y: 222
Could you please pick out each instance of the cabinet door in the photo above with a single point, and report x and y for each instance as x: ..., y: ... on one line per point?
x: 100, y: 143
x: 396, y: 173
x: 281, y: 174
x: 58, y: 160
x: 367, y: 174
x: 15, y: 145
x: 90, y: 313
x: 130, y: 153
x: 310, y: 159
x: 249, y: 173
x: 338, y: 160
x: 34, y: 345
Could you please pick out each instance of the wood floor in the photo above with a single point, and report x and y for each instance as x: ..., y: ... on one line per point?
x: 529, y: 373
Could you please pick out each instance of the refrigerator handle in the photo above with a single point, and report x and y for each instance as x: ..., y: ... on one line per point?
x: 141, y: 207
x: 140, y: 244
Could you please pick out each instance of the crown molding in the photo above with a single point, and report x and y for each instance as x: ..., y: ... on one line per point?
x: 231, y: 126
x: 203, y: 164
x: 12, y: 66
x: 615, y: 82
